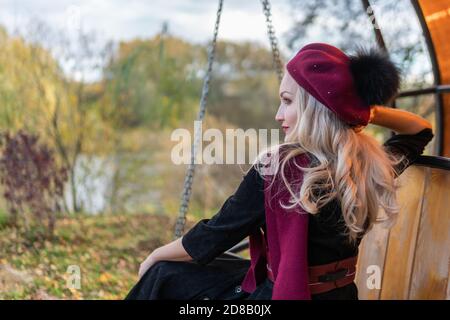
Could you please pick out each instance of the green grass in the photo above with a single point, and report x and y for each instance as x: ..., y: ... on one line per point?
x: 107, y: 248
x: 4, y: 217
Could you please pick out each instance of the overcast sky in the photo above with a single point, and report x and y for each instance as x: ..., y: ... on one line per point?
x: 126, y: 19
x: 192, y: 20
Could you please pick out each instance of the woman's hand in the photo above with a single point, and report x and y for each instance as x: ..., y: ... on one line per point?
x: 372, y: 113
x: 146, y: 264
x: 173, y: 251
x: 361, y: 127
x: 358, y: 128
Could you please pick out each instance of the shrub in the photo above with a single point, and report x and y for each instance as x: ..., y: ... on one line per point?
x: 33, y: 182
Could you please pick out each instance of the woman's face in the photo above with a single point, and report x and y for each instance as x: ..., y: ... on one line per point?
x: 287, y: 112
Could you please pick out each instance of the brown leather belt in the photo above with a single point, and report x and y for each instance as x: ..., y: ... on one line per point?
x: 325, y: 277
x: 333, y: 275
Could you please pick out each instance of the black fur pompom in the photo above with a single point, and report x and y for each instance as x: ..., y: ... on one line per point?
x: 376, y: 77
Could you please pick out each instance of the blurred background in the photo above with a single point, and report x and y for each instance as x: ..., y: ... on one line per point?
x: 90, y: 92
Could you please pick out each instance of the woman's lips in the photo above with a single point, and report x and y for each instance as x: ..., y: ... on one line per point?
x: 285, y: 129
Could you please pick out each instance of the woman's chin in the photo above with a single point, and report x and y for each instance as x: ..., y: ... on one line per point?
x: 289, y: 137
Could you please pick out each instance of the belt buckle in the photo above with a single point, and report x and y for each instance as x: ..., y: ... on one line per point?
x: 333, y: 276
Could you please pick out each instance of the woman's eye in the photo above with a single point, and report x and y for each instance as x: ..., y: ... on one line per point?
x: 287, y: 101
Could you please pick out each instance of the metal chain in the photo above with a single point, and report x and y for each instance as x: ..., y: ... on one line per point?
x: 187, y: 189
x: 278, y: 65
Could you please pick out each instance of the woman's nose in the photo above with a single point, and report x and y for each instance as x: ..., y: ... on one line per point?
x: 280, y: 114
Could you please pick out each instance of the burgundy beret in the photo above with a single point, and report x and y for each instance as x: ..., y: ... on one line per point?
x: 324, y: 72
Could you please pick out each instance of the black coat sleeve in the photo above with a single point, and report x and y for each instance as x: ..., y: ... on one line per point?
x: 241, y: 215
x: 409, y: 145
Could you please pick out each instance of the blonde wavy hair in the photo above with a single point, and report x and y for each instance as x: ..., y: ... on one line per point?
x: 351, y: 166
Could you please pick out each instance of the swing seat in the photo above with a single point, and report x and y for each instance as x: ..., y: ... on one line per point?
x: 410, y: 261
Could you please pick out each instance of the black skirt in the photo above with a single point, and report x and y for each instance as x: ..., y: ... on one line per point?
x: 218, y: 280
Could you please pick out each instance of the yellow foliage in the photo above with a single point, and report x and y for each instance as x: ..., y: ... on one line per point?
x: 104, y: 277
x: 37, y: 96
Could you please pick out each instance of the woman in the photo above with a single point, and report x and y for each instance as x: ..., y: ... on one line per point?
x: 307, y: 203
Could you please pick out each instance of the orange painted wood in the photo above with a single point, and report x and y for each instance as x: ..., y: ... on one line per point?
x: 437, y: 18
